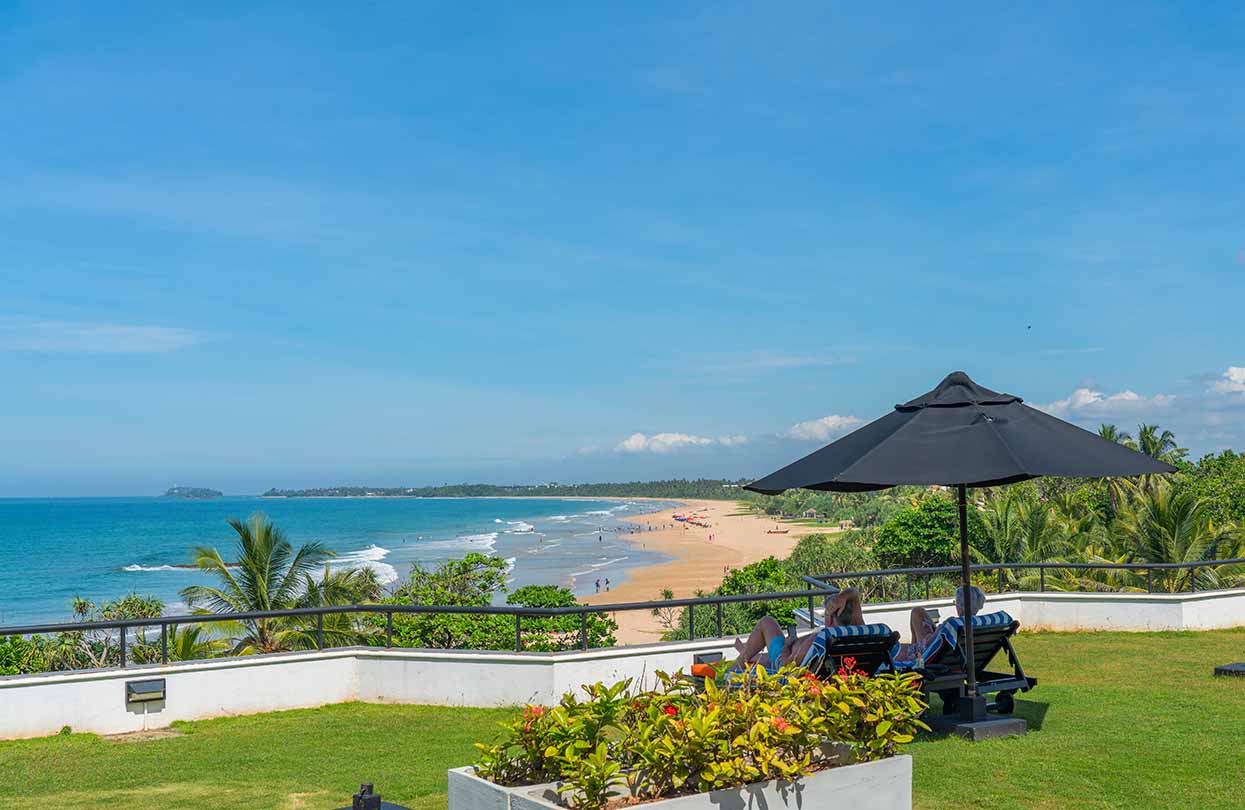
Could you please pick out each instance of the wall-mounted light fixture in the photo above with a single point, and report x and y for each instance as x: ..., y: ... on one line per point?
x: 144, y: 691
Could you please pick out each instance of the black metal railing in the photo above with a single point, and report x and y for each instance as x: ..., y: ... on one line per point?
x: 121, y: 628
x: 924, y: 578
x: 818, y: 586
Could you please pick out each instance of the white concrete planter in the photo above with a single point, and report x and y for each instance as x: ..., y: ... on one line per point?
x: 882, y: 785
x: 468, y: 790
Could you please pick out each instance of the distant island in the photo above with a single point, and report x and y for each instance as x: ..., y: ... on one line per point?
x: 705, y: 488
x: 194, y: 493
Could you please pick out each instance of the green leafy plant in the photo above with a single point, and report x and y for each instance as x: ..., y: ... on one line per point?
x: 675, y: 739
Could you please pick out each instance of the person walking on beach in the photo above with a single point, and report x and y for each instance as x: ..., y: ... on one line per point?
x: 607, y: 584
x: 598, y: 584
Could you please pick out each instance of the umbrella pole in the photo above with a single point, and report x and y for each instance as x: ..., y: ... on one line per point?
x: 971, y: 701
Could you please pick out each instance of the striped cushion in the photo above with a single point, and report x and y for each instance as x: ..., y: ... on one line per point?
x: 817, y: 651
x: 948, y: 634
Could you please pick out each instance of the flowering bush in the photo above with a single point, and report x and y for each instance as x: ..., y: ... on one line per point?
x: 676, y: 739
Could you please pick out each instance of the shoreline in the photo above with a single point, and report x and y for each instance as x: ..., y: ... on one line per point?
x: 696, y: 563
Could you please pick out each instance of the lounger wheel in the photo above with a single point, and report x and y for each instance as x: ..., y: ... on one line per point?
x: 1005, y: 702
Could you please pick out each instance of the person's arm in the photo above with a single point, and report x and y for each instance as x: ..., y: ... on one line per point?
x: 846, y: 601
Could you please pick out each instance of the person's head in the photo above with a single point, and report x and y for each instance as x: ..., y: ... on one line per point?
x: 976, y: 594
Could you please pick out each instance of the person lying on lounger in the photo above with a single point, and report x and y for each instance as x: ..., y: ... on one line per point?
x: 769, y: 647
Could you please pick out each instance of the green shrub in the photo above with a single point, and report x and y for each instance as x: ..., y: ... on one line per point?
x: 18, y: 656
x: 476, y: 580
x: 925, y: 535
x: 553, y: 633
x: 675, y: 739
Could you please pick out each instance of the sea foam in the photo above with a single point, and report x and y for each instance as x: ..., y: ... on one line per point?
x: 370, y: 557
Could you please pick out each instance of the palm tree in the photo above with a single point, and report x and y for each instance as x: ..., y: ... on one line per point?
x: 1161, y: 446
x: 192, y: 642
x: 1021, y: 528
x: 1113, y: 434
x: 1168, y: 525
x: 270, y: 574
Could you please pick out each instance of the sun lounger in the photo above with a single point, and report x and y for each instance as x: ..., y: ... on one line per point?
x: 870, y: 645
x: 945, y: 662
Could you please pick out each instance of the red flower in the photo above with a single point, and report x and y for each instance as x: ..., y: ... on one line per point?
x: 780, y: 724
x: 849, y: 662
x: 814, y: 689
x: 670, y: 709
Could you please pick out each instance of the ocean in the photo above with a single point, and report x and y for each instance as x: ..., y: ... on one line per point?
x: 55, y: 549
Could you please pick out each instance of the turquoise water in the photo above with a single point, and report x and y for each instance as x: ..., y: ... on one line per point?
x: 53, y: 549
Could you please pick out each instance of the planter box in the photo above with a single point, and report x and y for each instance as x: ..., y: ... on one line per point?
x: 882, y: 785
x: 466, y: 790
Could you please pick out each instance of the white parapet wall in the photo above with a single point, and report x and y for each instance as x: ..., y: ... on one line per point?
x: 95, y: 701
x: 1073, y: 612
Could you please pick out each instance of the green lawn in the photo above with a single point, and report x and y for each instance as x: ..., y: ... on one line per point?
x: 1119, y: 720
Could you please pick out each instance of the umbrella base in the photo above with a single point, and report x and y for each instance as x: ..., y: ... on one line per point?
x: 991, y: 728
x: 1230, y: 670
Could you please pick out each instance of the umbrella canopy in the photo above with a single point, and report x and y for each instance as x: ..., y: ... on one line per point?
x: 959, y: 433
x: 964, y: 435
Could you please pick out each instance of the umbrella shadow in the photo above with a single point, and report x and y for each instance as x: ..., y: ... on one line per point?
x: 1031, y: 711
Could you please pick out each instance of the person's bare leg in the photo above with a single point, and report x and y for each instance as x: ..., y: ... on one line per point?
x: 757, y: 642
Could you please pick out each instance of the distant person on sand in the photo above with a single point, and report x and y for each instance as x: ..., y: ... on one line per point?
x: 598, y: 584
x: 607, y: 584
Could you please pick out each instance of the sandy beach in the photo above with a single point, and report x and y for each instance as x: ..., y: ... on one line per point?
x: 699, y: 563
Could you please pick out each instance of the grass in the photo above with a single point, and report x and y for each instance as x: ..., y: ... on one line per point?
x: 1118, y: 720
x: 307, y: 758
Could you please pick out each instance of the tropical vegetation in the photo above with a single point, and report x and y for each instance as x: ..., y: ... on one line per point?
x: 1195, y: 515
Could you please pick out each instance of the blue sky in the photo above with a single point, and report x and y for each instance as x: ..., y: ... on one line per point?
x: 395, y: 243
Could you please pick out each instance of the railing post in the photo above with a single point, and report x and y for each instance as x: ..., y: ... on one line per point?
x: 583, y: 631
x: 691, y: 622
x: 812, y: 620
x: 719, y: 612
x: 1042, y: 578
x: 1193, y: 579
x: 1000, y: 579
x: 389, y: 629
x: 1149, y: 580
x: 319, y: 631
x: 927, y: 586
x: 164, y: 643
x: 123, y: 646
x: 518, y: 633
x: 909, y: 581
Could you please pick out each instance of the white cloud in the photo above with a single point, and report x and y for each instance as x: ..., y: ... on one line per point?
x: 732, y: 441
x: 1088, y: 402
x: 823, y: 429
x: 1232, y: 382
x: 664, y: 442
x: 78, y: 337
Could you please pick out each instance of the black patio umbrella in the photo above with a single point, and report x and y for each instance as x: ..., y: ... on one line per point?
x: 962, y: 435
